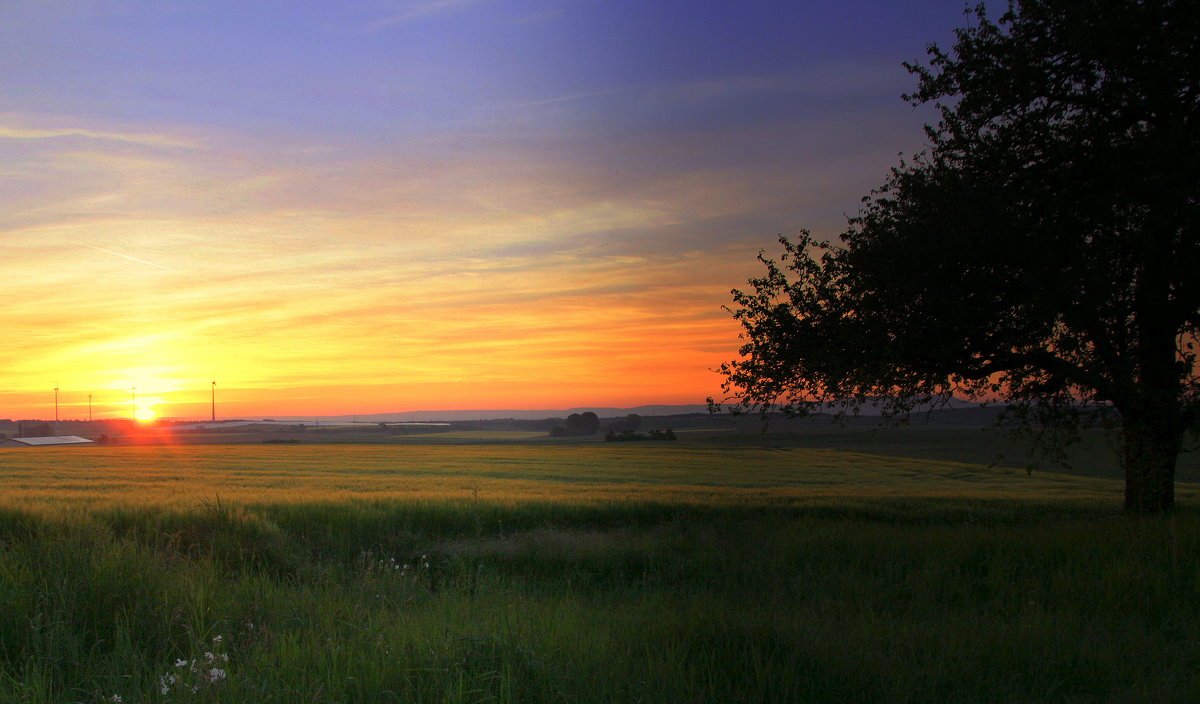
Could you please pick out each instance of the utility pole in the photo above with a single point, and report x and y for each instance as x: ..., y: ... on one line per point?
x: 89, y: 408
x: 56, y: 403
x: 214, y: 401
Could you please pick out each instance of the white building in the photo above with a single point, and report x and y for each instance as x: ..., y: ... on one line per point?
x: 44, y: 442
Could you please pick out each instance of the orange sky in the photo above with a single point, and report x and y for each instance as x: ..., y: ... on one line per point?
x: 300, y: 303
x: 310, y: 281
x: 304, y: 314
x: 362, y: 207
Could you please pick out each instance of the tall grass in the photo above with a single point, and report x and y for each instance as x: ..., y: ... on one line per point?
x: 463, y: 600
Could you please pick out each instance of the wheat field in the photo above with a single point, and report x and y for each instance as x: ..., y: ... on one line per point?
x: 184, y: 476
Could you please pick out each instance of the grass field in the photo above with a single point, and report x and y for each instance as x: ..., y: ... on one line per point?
x: 184, y: 476
x: 583, y: 573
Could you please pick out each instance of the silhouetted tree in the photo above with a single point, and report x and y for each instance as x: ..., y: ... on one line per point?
x: 586, y: 423
x: 631, y: 423
x: 1042, y: 251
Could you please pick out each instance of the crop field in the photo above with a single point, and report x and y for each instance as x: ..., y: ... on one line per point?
x: 595, y: 572
x: 185, y: 476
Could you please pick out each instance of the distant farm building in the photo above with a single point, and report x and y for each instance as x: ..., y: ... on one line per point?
x: 46, y: 441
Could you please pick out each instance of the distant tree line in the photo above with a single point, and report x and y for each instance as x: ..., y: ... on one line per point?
x: 629, y: 435
x: 631, y: 423
x: 618, y: 429
x: 577, y: 424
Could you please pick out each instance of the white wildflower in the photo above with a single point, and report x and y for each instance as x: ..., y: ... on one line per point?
x: 166, y: 681
x: 198, y: 674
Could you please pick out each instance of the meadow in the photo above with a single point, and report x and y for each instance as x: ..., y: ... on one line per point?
x: 685, y: 572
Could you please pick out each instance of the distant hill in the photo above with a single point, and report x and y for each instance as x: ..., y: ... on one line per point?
x: 494, y: 414
x: 958, y: 410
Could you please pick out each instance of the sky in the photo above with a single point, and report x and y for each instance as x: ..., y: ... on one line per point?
x: 367, y: 206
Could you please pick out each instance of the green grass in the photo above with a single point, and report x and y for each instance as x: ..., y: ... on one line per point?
x: 184, y: 476
x: 852, y: 578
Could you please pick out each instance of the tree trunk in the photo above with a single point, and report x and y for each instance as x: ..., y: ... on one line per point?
x: 1151, y: 449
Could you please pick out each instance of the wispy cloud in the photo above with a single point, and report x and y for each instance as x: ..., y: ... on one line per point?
x: 564, y: 98
x: 426, y: 273
x: 420, y: 10
x: 144, y: 139
x: 430, y: 201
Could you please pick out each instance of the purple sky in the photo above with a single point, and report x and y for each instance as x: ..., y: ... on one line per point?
x: 371, y: 185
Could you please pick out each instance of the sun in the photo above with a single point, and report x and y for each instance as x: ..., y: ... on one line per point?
x: 145, y: 415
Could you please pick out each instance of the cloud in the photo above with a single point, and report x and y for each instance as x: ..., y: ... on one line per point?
x: 300, y: 264
x: 562, y: 99
x: 420, y: 10
x: 144, y: 139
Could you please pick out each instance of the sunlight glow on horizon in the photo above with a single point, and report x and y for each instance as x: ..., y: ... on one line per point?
x: 445, y: 206
x: 297, y: 323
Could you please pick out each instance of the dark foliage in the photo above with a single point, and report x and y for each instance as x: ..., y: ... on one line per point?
x: 1043, y: 251
x: 578, y: 424
x: 630, y: 436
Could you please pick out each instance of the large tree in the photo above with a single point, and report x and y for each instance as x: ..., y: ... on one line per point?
x: 1042, y: 251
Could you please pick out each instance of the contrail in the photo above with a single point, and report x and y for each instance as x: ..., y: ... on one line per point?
x: 563, y: 98
x: 197, y: 276
x: 143, y: 261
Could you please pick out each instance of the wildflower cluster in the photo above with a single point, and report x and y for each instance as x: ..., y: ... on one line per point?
x: 422, y: 564
x: 392, y: 565
x: 196, y: 675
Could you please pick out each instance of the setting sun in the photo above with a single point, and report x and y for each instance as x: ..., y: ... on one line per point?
x: 145, y: 415
x: 378, y: 250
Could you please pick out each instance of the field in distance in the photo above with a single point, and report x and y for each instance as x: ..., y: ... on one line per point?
x: 963, y: 435
x: 671, y: 473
